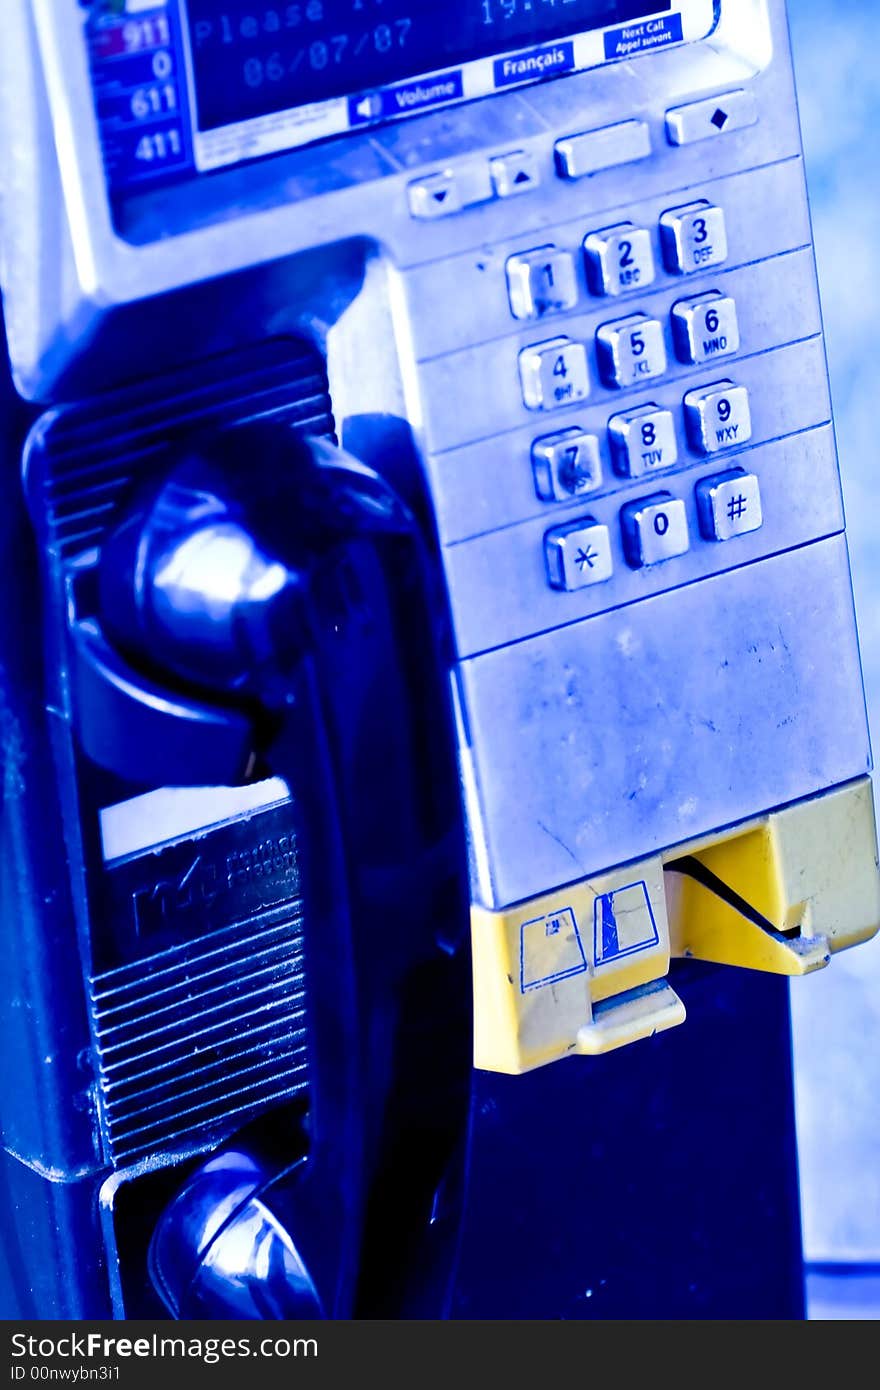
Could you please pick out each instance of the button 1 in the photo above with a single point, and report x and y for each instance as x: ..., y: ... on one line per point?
x: 619, y: 259
x: 654, y: 529
x: 705, y: 327
x: 593, y: 150
x: 718, y: 417
x: 729, y: 505
x: 543, y: 281
x: 643, y: 441
x: 578, y: 555
x: 566, y: 465
x: 514, y: 173
x: 631, y: 350
x: 554, y: 374
x: 706, y: 120
x: 693, y: 238
x: 438, y: 195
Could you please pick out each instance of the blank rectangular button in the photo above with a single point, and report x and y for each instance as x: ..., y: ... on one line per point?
x: 706, y: 120
x: 593, y: 150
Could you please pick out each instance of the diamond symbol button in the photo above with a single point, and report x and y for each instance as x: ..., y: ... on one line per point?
x: 706, y: 120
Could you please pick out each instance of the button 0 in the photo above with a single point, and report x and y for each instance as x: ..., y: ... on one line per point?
x: 729, y: 505
x: 654, y: 529
x: 705, y: 327
x: 554, y: 374
x: 718, y: 417
x: 693, y: 238
x: 631, y: 350
x: 578, y: 555
x: 514, y: 173
x: 706, y: 120
x: 643, y: 440
x: 566, y: 465
x: 543, y: 281
x: 619, y: 259
x: 593, y: 150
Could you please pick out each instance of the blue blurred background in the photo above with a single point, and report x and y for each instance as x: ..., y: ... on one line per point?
x: 837, y: 1013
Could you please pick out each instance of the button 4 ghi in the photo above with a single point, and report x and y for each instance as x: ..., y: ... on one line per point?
x: 554, y: 374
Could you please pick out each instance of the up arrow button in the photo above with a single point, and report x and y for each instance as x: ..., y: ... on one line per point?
x: 514, y: 173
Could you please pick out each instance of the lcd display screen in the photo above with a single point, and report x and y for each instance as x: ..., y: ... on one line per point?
x: 192, y: 86
x: 253, y: 58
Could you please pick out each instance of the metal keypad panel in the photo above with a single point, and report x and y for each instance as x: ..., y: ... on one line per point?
x: 676, y: 382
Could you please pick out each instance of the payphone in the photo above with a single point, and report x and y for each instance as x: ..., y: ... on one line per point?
x: 436, y: 500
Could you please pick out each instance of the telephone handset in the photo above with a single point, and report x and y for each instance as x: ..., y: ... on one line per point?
x: 275, y: 572
x: 265, y: 602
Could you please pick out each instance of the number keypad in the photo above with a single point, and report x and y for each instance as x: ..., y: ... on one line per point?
x: 631, y: 351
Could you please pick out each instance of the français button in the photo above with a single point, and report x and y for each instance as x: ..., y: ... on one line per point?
x: 578, y: 555
x: 514, y: 173
x: 729, y: 505
x: 591, y: 151
x: 706, y: 120
x: 654, y: 529
x: 566, y: 465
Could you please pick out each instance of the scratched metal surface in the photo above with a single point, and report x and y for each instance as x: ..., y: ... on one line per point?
x: 837, y: 1013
